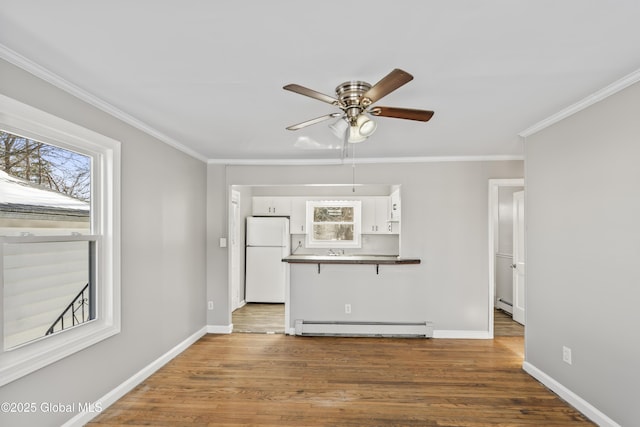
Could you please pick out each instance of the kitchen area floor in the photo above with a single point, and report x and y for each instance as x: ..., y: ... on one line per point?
x: 259, y: 318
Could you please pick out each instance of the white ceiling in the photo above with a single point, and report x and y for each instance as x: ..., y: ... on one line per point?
x: 208, y: 75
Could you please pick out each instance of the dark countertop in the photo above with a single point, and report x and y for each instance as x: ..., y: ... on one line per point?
x: 349, y: 259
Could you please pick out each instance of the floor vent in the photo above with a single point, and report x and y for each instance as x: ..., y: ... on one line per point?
x: 365, y: 329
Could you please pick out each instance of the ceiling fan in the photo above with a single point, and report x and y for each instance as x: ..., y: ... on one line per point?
x: 356, y: 99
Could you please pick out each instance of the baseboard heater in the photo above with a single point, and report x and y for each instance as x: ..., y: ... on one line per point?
x: 505, y: 305
x: 365, y: 329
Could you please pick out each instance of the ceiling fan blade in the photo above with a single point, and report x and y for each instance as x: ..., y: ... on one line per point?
x: 314, y: 121
x: 311, y: 93
x: 402, y: 113
x: 388, y: 84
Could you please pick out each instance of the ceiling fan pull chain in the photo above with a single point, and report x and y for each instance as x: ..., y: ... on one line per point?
x: 353, y: 168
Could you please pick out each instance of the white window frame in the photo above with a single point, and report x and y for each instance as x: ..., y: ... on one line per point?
x: 29, y: 122
x: 357, y: 224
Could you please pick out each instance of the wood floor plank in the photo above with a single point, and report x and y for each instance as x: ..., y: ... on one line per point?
x: 269, y: 380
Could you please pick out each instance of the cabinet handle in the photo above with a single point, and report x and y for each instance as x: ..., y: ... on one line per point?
x: 302, y: 228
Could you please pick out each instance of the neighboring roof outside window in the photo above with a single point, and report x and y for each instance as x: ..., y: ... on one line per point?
x: 20, y: 198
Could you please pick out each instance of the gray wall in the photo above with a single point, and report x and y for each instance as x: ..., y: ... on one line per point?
x: 444, y: 222
x: 583, y: 245
x: 163, y: 258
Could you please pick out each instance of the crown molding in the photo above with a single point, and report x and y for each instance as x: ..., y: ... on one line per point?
x: 598, y: 96
x: 371, y: 160
x: 42, y: 73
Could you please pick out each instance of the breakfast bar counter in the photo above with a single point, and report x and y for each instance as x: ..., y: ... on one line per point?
x: 349, y: 259
x: 352, y: 294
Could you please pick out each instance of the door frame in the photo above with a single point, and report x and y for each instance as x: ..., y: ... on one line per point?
x: 494, y: 188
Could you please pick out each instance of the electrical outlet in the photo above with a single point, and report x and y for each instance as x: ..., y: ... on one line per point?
x: 566, y: 355
x: 347, y: 308
x: 210, y: 305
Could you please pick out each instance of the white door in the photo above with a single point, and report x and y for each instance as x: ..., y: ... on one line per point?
x: 235, y: 249
x: 518, y: 258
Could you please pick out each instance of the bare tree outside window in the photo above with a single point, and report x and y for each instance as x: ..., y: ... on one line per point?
x: 333, y: 223
x: 46, y: 165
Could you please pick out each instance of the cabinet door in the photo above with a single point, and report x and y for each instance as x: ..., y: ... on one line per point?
x: 298, y: 221
x: 375, y: 213
x: 394, y: 209
x: 261, y: 206
x: 271, y: 206
x: 281, y: 206
x: 368, y: 215
x: 382, y: 215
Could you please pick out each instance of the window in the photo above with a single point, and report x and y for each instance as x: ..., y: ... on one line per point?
x: 59, y: 239
x: 333, y: 224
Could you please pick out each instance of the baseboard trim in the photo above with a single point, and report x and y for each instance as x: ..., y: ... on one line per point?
x: 570, y: 397
x: 220, y: 329
x: 462, y: 335
x: 110, y: 398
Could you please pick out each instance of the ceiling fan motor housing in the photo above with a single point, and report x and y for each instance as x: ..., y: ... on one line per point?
x: 350, y: 96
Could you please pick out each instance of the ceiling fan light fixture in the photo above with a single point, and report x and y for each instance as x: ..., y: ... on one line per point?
x: 366, y: 126
x: 355, y: 136
x: 339, y: 128
x: 362, y: 129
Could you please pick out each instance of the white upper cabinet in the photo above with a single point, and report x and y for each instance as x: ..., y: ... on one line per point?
x: 271, y: 206
x: 378, y: 213
x: 375, y: 216
x: 394, y: 206
x: 298, y: 219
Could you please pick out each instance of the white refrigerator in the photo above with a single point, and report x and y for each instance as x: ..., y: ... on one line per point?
x: 268, y: 242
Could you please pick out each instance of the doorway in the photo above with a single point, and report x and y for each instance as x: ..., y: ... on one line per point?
x: 501, y: 252
x: 259, y: 318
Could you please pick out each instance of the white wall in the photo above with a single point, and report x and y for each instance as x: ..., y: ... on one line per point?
x: 163, y: 259
x: 582, y: 251
x: 444, y: 223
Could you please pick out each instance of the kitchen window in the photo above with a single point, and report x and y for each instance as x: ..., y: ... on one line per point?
x: 59, y: 239
x: 333, y: 224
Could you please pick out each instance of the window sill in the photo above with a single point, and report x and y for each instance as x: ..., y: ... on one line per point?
x: 28, y: 358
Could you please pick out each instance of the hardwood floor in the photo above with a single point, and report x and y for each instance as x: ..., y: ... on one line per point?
x: 259, y: 318
x: 505, y: 326
x: 279, y: 380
